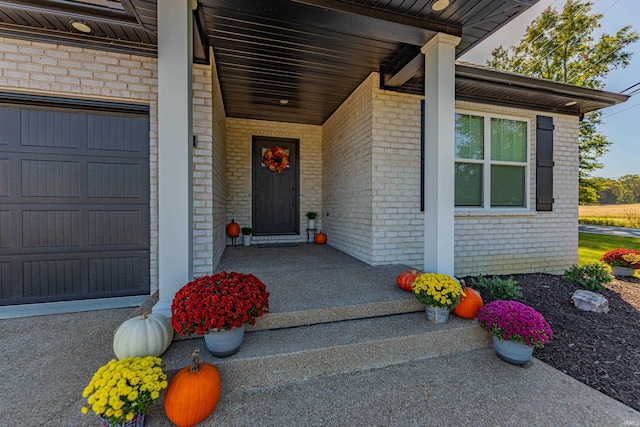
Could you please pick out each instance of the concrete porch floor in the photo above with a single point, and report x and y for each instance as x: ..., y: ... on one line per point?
x: 47, y: 361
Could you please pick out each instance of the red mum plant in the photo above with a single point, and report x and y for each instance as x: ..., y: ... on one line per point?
x: 622, y: 257
x: 222, y: 301
x: 515, y: 321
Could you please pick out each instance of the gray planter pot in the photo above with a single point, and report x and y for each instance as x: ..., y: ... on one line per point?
x: 622, y: 271
x: 512, y: 352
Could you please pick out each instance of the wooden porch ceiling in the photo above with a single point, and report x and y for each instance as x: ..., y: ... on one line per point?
x: 311, y: 53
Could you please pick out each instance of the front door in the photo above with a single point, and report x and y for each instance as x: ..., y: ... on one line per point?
x: 275, y: 193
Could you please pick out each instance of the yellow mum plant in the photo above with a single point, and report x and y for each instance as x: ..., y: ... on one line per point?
x: 438, y: 290
x: 123, y: 389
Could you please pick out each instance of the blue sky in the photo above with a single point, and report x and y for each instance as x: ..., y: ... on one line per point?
x: 621, y: 121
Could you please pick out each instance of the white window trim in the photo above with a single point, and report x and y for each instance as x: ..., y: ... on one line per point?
x: 487, y: 162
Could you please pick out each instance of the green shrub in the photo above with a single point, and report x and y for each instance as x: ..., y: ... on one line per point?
x: 592, y: 276
x: 611, y: 222
x: 497, y: 288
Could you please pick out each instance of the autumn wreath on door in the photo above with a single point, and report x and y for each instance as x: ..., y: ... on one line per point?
x: 276, y: 159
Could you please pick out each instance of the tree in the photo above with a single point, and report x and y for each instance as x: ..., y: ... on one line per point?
x: 630, y: 189
x: 560, y: 46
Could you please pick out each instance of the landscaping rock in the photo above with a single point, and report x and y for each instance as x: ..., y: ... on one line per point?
x: 590, y: 301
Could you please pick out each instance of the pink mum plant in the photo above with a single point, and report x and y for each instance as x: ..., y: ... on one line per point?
x: 514, y: 321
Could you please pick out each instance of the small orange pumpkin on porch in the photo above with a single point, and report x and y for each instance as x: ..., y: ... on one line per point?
x: 193, y: 393
x: 469, y: 305
x: 320, y: 238
x: 406, y: 279
x: 233, y: 229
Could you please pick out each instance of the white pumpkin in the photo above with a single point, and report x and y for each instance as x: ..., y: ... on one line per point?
x: 146, y: 335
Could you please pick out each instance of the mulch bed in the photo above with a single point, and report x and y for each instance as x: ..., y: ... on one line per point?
x: 601, y: 350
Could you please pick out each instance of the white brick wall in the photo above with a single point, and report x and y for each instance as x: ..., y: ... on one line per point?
x: 219, y: 178
x: 239, y: 204
x: 203, y: 183
x: 348, y: 176
x: 56, y: 70
x: 397, y: 217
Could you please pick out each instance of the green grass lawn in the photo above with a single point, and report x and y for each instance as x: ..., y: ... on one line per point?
x: 592, y: 246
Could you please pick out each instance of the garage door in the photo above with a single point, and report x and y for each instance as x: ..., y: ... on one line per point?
x: 74, y: 200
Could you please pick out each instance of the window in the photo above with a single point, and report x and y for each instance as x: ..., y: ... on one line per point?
x: 491, y: 161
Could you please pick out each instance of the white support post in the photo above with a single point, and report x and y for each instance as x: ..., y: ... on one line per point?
x: 175, y: 156
x: 439, y: 153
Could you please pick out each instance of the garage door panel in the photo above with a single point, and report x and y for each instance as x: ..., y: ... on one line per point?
x: 44, y: 278
x: 5, y: 280
x: 5, y: 229
x: 117, y: 133
x: 114, y: 274
x: 50, y: 178
x: 9, y: 125
x: 110, y: 180
x: 53, y: 228
x: 50, y: 128
x: 117, y: 228
x: 74, y: 204
x: 4, y: 177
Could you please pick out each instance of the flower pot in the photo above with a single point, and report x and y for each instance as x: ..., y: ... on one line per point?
x: 137, y: 421
x: 223, y: 343
x: 437, y: 314
x: 513, y: 352
x: 622, y: 271
x: 246, y: 240
x: 311, y: 224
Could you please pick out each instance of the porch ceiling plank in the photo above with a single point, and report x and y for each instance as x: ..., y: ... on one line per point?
x: 146, y: 10
x: 70, y: 10
x: 67, y: 38
x: 286, y: 12
x: 386, y: 15
x: 296, y: 61
x: 294, y: 38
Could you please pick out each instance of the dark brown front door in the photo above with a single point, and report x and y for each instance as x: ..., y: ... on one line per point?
x: 275, y: 194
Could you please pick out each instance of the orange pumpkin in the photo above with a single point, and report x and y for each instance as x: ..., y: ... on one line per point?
x: 406, y: 279
x: 233, y: 229
x: 193, y: 393
x: 320, y: 238
x: 469, y: 305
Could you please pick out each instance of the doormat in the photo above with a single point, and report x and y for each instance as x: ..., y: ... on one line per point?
x: 276, y: 245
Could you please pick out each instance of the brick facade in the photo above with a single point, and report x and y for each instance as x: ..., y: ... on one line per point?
x: 348, y: 175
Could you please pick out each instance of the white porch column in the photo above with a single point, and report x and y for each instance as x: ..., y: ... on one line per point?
x: 175, y: 164
x: 439, y: 153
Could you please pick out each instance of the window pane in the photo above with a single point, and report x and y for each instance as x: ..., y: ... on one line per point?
x: 507, y: 186
x: 508, y: 140
x: 469, y: 137
x: 468, y: 185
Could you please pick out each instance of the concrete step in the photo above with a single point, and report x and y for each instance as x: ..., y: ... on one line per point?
x: 336, y: 313
x: 282, y: 356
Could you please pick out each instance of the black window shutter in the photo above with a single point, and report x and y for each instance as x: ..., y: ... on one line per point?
x: 544, y: 163
x: 422, y: 156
